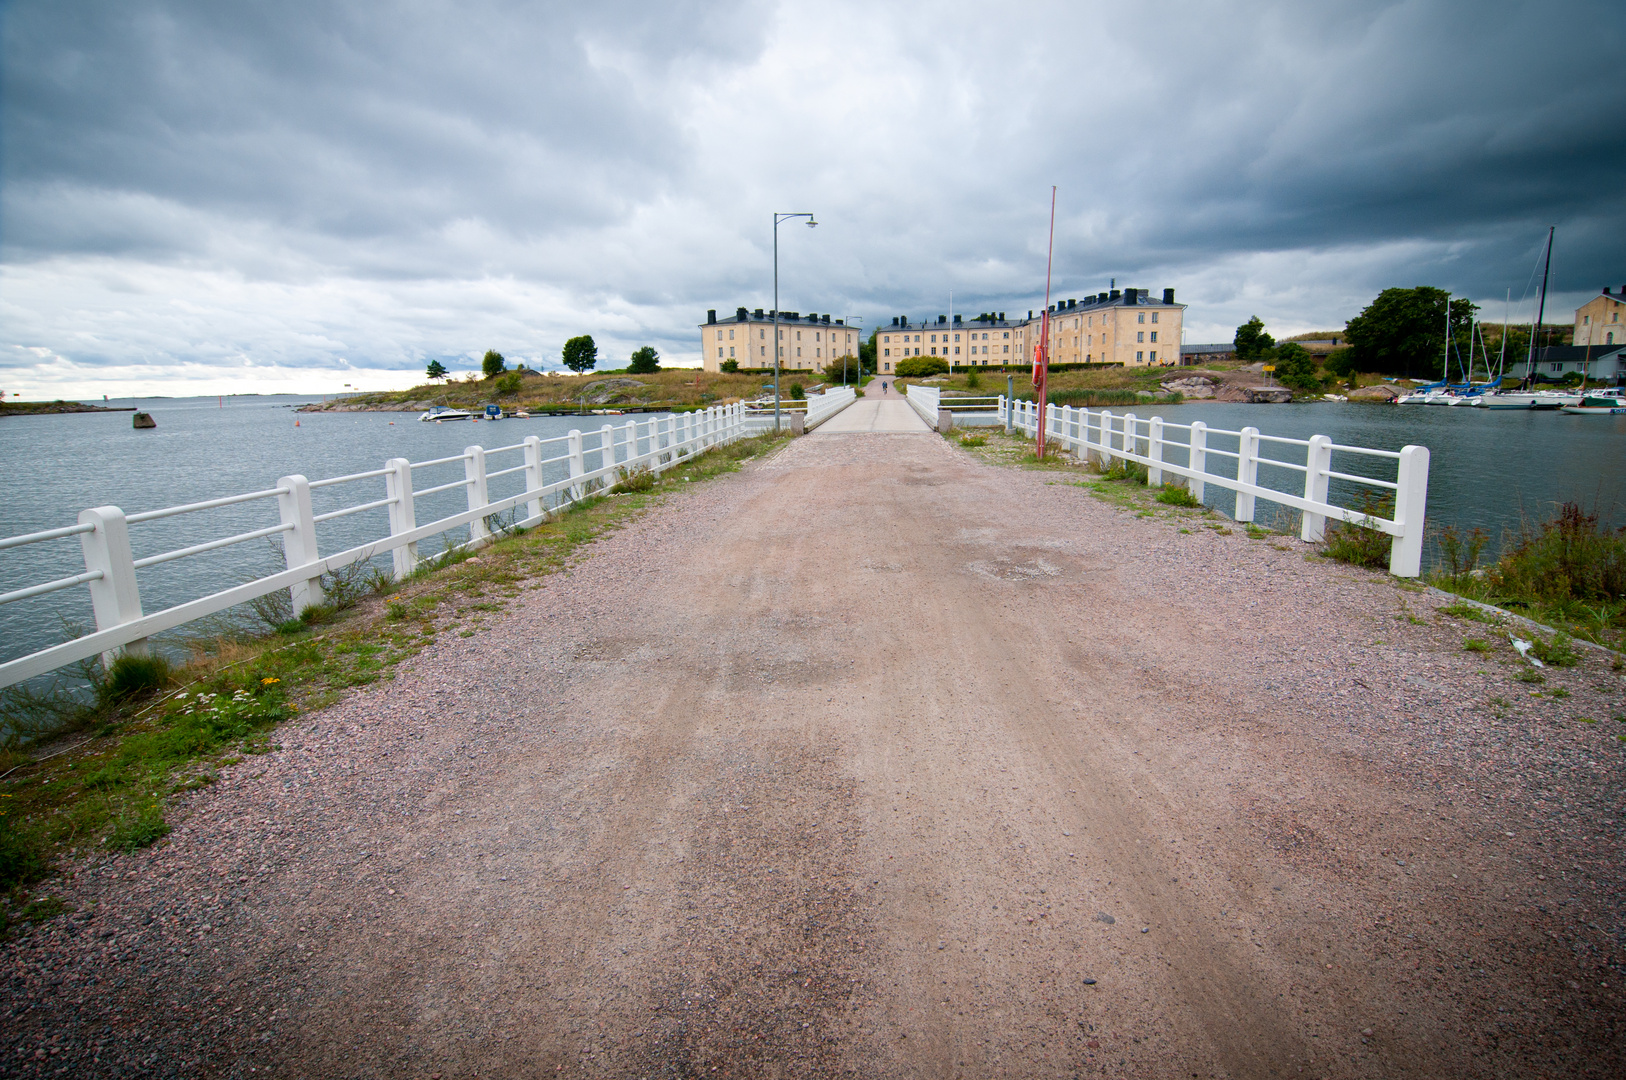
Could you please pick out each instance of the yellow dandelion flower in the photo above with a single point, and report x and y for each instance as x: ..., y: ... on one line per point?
x: 267, y: 681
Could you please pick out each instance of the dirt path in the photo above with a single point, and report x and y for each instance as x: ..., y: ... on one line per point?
x: 876, y: 760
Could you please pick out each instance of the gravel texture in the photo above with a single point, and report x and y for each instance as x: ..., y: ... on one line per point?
x: 875, y: 759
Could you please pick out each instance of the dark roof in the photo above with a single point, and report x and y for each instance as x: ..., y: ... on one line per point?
x: 933, y: 324
x: 1217, y: 347
x: 1572, y: 353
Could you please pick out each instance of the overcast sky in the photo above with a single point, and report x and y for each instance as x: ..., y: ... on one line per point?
x: 206, y: 196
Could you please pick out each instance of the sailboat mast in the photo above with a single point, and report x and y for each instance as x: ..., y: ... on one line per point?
x: 1541, y: 308
x: 1501, y: 358
x: 1445, y: 363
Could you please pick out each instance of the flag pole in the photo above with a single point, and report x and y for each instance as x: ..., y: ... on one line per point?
x: 1041, y: 358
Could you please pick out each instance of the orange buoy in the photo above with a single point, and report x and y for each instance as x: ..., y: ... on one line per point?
x: 296, y: 423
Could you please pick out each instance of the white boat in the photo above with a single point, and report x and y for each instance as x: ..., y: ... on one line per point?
x: 1597, y: 405
x: 492, y: 412
x: 440, y: 414
x: 1508, y: 400
x: 1553, y: 399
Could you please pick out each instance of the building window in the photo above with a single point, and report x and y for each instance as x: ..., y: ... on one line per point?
x: 1152, y: 356
x: 731, y: 335
x: 1141, y: 317
x: 1007, y: 348
x: 719, y: 335
x: 1139, y: 356
x: 887, y: 339
x: 764, y: 350
x: 731, y: 350
x: 1154, y: 316
x: 1585, y: 319
x: 798, y: 348
x: 956, y: 350
x: 1140, y: 335
x: 719, y: 352
x: 956, y: 337
x: 934, y: 350
x: 1154, y: 337
x: 798, y: 336
x: 886, y: 352
x: 1007, y: 335
x: 887, y: 366
x: 1611, y: 340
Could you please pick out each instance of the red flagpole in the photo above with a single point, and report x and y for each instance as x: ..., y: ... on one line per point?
x: 1041, y: 358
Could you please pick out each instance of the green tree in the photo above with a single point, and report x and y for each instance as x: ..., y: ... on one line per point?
x: 1295, y: 367
x: 1402, y: 332
x: 1252, y: 343
x: 796, y: 392
x: 866, y: 351
x: 492, y: 364
x: 730, y: 365
x: 580, y: 354
x: 645, y: 361
x: 436, y: 370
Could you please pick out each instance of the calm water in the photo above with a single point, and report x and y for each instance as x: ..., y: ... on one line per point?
x: 1488, y: 470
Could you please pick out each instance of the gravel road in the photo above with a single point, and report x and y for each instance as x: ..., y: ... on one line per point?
x: 874, y: 759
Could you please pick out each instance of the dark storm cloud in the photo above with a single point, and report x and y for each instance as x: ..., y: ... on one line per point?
x: 326, y: 184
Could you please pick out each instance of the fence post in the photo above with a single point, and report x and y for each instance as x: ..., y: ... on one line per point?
x: 1066, y: 418
x: 1317, y: 461
x: 606, y: 442
x: 632, y: 444
x: 114, y: 597
x: 299, y: 542
x: 578, y: 463
x: 474, y: 470
x: 403, y: 518
x: 1154, y: 450
x: 1411, y: 504
x: 1131, y: 435
x: 1247, y: 470
x: 1106, y: 438
x: 533, y: 475
x: 1197, y: 461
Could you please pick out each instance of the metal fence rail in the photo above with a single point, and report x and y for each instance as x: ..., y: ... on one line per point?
x: 1126, y: 437
x: 110, y: 567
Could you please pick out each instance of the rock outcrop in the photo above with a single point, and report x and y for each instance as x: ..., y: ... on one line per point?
x: 1374, y: 393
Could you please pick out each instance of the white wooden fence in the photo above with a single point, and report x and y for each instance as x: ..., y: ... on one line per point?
x: 821, y: 407
x: 1107, y: 437
x: 925, y: 400
x: 110, y: 567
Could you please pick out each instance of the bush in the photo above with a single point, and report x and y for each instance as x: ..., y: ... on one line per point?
x: 796, y: 392
x: 510, y: 383
x: 1568, y: 558
x: 639, y: 479
x: 973, y: 440
x: 1296, y: 369
x: 1341, y: 362
x: 1459, y: 555
x: 1358, y: 545
x: 1177, y: 495
x: 920, y: 367
x: 133, y: 674
x: 1555, y: 651
x: 972, y: 379
x: 730, y: 366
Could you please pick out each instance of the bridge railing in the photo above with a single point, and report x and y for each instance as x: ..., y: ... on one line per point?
x: 821, y: 407
x: 925, y: 399
x: 1107, y: 437
x: 111, y: 570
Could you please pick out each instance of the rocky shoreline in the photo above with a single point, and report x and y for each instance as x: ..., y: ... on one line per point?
x: 45, y: 408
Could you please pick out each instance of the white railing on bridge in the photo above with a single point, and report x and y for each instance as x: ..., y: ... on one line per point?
x: 1106, y: 437
x: 821, y: 407
x: 110, y: 567
x: 925, y: 400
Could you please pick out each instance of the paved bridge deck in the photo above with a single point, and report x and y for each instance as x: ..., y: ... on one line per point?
x: 877, y: 411
x: 875, y: 760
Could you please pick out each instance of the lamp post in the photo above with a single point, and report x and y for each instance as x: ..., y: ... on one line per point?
x: 777, y: 218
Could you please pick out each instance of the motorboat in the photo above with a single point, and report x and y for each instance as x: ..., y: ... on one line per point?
x: 1554, y: 399
x: 1597, y: 405
x: 440, y: 414
x: 492, y: 412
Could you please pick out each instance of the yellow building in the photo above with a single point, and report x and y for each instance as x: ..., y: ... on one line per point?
x: 981, y: 342
x: 1123, y: 327
x: 1599, y: 322
x: 807, y: 342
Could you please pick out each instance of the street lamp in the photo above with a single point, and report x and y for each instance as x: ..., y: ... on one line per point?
x: 777, y: 218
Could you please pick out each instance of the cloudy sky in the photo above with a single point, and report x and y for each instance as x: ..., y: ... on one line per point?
x: 199, y: 196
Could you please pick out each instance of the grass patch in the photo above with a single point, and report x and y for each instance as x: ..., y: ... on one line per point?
x: 1468, y: 611
x: 970, y: 441
x: 1476, y: 645
x: 229, y: 698
x: 1357, y: 544
x: 1530, y: 675
x: 1556, y: 651
x: 1179, y: 495
x: 1568, y: 572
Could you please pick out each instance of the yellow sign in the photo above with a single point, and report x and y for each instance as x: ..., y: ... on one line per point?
x: 1270, y: 367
